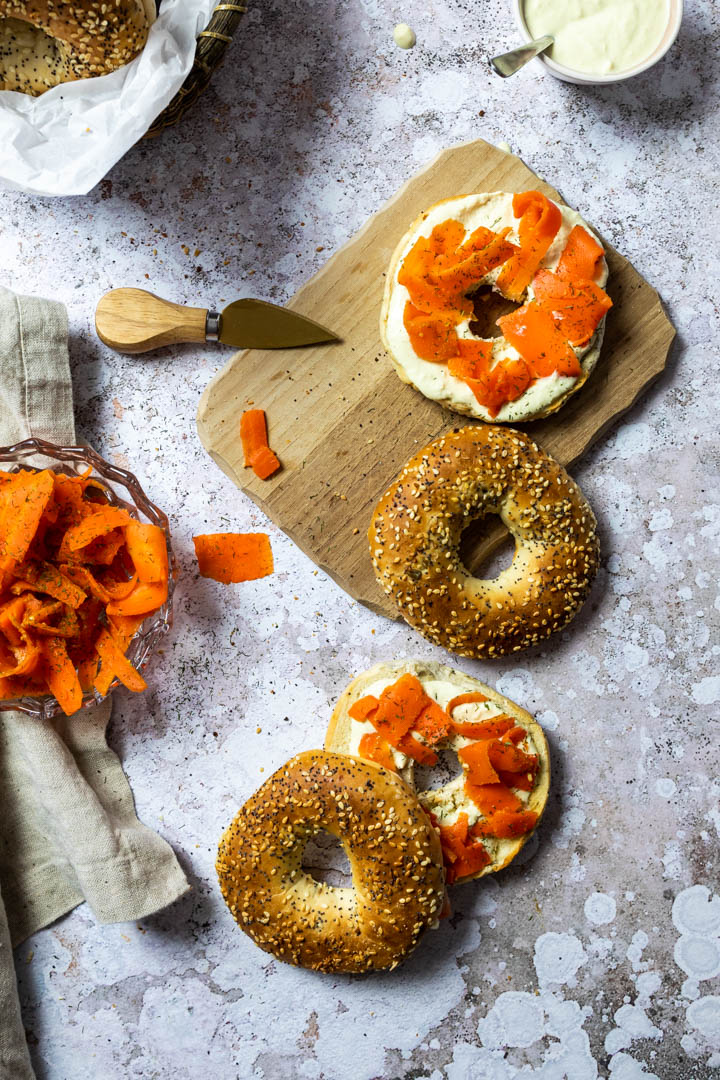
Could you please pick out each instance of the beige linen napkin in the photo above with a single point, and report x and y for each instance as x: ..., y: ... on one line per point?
x: 69, y: 831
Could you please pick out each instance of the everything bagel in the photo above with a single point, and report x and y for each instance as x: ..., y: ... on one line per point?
x: 415, y: 542
x: 394, y: 855
x: 44, y: 43
x: 404, y: 713
x: 465, y: 261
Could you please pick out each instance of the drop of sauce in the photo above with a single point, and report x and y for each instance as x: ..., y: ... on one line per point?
x: 404, y: 36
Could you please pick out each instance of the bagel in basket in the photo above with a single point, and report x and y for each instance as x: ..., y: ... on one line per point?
x: 406, y: 713
x: 445, y: 331
x: 416, y: 529
x: 44, y: 43
x: 394, y: 853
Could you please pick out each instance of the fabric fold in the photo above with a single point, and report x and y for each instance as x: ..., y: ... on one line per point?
x: 70, y: 832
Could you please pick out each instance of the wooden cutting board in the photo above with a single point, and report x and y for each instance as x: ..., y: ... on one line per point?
x: 342, y: 422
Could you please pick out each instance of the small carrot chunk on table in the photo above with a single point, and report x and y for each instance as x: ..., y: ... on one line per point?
x: 253, y: 434
x: 233, y: 557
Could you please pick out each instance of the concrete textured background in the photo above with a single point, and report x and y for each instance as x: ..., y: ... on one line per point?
x: 597, y: 955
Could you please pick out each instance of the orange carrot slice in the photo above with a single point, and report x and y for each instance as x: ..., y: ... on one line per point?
x: 506, y: 824
x: 62, y: 679
x: 510, y: 758
x: 82, y: 577
x: 114, y: 658
x: 580, y: 256
x: 416, y: 750
x: 373, y: 747
x: 147, y: 548
x: 462, y: 855
x: 254, y: 437
x: 492, y: 797
x: 22, y: 502
x: 44, y: 577
x: 480, y: 769
x: 398, y: 708
x: 520, y: 781
x: 233, y: 557
x: 143, y: 599
x: 360, y: 710
x: 432, y: 337
x: 433, y: 724
x: 577, y: 307
x: 532, y: 331
x: 95, y: 525
x: 540, y: 220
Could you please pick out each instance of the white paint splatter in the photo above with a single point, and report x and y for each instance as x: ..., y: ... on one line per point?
x: 600, y: 908
x: 557, y: 958
x: 707, y: 691
x: 665, y: 786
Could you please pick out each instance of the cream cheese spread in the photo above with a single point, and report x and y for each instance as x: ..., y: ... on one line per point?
x: 450, y: 800
x: 599, y: 36
x: 494, y: 211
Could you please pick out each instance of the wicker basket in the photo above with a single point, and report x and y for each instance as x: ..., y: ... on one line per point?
x: 211, y: 46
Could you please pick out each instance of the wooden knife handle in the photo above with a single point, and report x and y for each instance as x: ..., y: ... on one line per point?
x: 136, y: 321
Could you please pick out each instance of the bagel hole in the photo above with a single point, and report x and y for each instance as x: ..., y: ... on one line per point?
x: 487, y: 547
x: 488, y: 307
x: 324, y: 859
x: 431, y: 777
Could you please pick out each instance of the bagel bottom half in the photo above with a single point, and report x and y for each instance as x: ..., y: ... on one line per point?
x: 489, y: 807
x: 395, y: 858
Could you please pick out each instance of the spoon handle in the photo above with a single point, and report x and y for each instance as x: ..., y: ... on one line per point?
x: 510, y: 62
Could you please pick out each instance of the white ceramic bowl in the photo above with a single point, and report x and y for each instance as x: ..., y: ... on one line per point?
x: 585, y: 78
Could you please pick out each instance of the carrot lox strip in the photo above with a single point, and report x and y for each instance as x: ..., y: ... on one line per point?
x: 113, y: 657
x: 147, y: 548
x: 233, y: 557
x: 532, y: 331
x: 360, y: 710
x: 492, y: 797
x: 95, y: 525
x: 480, y: 769
x: 83, y: 577
x: 506, y: 824
x: 46, y: 578
x: 123, y: 628
x: 580, y: 256
x: 399, y: 706
x: 62, y: 679
x: 432, y: 337
x: 254, y: 437
x: 510, y: 758
x: 23, y: 500
x: 141, y: 601
x: 373, y: 747
x: 416, y: 750
x: 540, y: 220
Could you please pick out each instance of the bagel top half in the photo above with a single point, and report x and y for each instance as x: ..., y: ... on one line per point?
x: 44, y: 44
x: 491, y: 211
x: 446, y: 799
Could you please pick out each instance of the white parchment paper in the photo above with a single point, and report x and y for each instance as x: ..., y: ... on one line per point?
x: 63, y: 142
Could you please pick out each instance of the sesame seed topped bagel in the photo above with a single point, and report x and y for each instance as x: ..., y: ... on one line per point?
x: 394, y: 854
x: 409, y: 715
x: 415, y: 542
x: 43, y: 43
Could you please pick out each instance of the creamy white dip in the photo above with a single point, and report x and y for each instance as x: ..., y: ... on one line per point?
x: 449, y: 801
x: 599, y: 36
x: 494, y: 211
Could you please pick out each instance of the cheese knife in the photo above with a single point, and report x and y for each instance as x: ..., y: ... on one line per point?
x: 136, y: 321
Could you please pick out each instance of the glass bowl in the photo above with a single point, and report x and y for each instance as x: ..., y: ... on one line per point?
x: 121, y: 489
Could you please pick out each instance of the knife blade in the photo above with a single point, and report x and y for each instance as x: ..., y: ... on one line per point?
x: 136, y: 321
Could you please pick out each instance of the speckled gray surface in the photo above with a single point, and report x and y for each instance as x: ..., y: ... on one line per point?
x: 586, y: 959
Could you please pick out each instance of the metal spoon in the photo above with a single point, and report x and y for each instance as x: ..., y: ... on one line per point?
x: 510, y: 62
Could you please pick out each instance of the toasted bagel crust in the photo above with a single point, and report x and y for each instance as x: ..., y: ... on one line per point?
x: 415, y: 539
x: 394, y: 855
x: 46, y: 42
x: 338, y: 739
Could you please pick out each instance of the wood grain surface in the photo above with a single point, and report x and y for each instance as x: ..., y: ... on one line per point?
x: 342, y: 422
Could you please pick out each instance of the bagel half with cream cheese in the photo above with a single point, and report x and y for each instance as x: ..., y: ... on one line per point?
x: 43, y: 43
x: 501, y: 812
x: 456, y: 261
